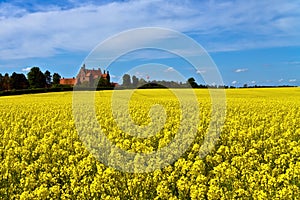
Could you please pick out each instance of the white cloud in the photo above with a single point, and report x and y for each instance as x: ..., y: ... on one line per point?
x: 50, y: 30
x: 292, y: 80
x: 170, y: 69
x: 241, y: 70
x: 234, y: 82
x: 27, y: 69
x: 9, y: 10
x: 113, y: 76
x: 201, y: 71
x: 253, y: 82
x: 280, y: 80
x: 140, y: 74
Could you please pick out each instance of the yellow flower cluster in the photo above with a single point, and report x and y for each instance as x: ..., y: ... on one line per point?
x: 256, y: 157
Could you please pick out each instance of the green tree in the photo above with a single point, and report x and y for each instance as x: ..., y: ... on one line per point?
x: 56, y: 78
x: 135, y: 81
x: 48, y: 77
x: 36, y: 78
x: 6, y: 82
x: 103, y: 82
x: 108, y: 78
x: 126, y: 80
x: 1, y: 81
x: 142, y: 82
x: 18, y: 81
x: 192, y: 82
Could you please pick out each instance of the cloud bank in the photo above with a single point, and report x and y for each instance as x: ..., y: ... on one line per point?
x: 44, y: 30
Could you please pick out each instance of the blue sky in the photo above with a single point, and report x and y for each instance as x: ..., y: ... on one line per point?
x: 253, y: 42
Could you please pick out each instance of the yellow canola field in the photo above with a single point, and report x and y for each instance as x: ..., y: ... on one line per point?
x: 256, y: 157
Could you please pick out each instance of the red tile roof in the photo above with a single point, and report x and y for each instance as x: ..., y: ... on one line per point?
x: 67, y: 81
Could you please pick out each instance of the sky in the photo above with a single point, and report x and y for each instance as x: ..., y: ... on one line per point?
x: 251, y: 42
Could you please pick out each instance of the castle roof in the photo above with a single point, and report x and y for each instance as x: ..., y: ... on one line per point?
x: 92, y: 72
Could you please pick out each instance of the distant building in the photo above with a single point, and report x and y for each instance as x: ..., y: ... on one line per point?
x: 86, y: 77
x: 67, y: 81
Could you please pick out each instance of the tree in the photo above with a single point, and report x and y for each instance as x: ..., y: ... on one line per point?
x: 36, y: 78
x: 1, y: 81
x: 108, y: 78
x: 135, y: 81
x: 126, y: 80
x: 103, y: 82
x: 56, y: 78
x: 18, y: 81
x: 48, y: 77
x: 6, y: 82
x: 142, y: 82
x: 192, y: 82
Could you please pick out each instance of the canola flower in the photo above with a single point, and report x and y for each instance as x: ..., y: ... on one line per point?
x: 256, y: 157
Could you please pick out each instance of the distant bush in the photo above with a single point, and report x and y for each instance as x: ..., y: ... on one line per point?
x: 58, y: 88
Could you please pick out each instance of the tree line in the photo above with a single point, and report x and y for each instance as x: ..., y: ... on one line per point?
x: 134, y: 82
x: 35, y: 79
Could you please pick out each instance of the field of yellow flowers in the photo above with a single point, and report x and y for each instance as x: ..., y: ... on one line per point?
x: 257, y: 155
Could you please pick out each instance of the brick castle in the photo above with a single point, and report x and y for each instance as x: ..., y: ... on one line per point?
x: 86, y: 77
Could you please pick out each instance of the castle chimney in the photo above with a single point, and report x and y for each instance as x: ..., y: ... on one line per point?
x: 104, y: 71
